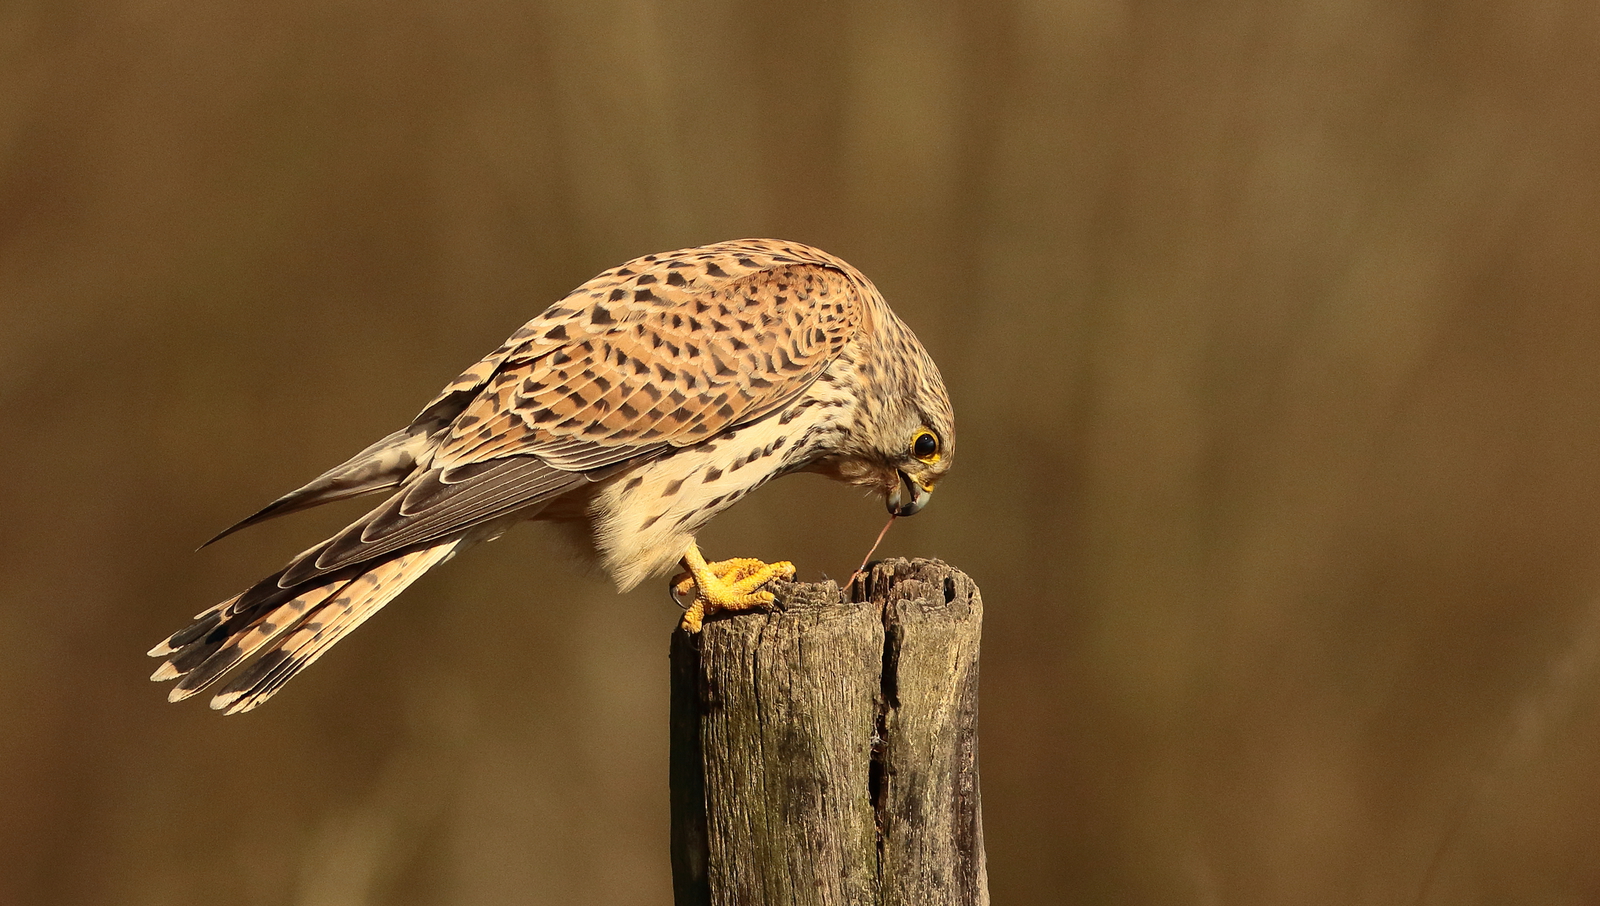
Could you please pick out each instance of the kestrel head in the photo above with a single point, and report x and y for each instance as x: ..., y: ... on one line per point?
x: 915, y: 437
x: 900, y: 435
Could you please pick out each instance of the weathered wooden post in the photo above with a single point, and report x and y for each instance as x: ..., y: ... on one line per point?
x: 826, y: 752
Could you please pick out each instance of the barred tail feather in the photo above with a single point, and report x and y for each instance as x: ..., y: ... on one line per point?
x: 282, y: 631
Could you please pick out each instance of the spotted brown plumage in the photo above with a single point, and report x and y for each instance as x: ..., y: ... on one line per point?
x: 648, y: 400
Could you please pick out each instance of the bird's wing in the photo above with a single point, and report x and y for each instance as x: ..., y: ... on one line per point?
x: 664, y: 351
x: 379, y: 467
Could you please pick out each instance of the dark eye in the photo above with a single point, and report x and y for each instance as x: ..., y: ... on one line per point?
x: 925, y: 446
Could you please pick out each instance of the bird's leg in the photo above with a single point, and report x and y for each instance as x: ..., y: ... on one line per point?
x: 725, y: 585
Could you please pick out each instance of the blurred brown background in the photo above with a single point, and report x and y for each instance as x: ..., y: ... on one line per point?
x: 1272, y: 330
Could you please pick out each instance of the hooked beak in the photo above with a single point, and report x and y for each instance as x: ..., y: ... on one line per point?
x: 908, y: 497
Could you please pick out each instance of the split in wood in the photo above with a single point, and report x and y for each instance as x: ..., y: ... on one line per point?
x: 826, y: 752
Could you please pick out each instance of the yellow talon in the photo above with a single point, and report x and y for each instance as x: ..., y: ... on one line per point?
x: 727, y: 571
x: 725, y: 585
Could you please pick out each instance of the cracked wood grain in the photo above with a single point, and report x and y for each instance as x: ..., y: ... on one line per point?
x: 826, y: 752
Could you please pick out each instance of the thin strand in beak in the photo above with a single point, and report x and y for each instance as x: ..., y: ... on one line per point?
x: 870, y: 551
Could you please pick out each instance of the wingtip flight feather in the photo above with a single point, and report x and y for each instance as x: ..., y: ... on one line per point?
x: 248, y: 521
x: 282, y: 506
x: 380, y: 466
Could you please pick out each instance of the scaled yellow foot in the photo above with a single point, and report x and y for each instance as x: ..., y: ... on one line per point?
x: 725, y: 585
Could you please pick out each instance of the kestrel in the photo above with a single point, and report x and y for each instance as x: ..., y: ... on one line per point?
x: 650, y: 399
